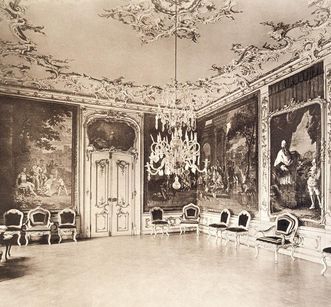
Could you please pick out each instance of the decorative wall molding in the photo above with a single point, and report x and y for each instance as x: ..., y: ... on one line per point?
x: 122, y: 165
x: 102, y: 164
x: 264, y: 154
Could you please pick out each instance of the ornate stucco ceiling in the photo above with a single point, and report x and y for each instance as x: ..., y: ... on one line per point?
x: 123, y: 51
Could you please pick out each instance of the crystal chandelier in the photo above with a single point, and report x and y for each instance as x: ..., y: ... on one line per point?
x: 177, y: 110
x: 177, y: 116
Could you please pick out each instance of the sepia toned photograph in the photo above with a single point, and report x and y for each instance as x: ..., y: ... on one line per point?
x: 165, y: 152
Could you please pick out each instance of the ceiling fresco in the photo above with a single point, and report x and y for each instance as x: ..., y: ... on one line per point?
x: 121, y: 51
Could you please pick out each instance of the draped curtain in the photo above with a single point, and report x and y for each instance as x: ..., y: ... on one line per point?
x: 307, y: 84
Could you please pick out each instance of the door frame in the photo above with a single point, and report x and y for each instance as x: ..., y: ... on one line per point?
x: 133, y: 120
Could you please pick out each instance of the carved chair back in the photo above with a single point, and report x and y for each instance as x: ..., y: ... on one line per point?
x: 286, y: 225
x: 191, y: 212
x: 156, y: 214
x: 225, y: 217
x: 67, y: 217
x: 244, y: 219
x: 13, y: 218
x: 39, y: 217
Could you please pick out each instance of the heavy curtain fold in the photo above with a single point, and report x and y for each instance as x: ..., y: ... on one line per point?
x: 307, y: 84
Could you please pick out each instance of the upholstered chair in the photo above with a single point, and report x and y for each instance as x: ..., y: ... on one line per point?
x: 190, y: 218
x: 67, y: 224
x: 240, y: 229
x: 158, y: 221
x: 13, y: 220
x: 284, y: 236
x: 222, y: 225
x: 38, y: 224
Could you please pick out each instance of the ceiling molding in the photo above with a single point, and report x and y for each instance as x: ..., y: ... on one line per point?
x: 290, y: 47
x: 268, y: 79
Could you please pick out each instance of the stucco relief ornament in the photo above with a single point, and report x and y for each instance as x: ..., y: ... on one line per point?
x: 154, y: 19
x: 20, y: 57
x: 102, y: 164
x: 121, y: 205
x: 329, y: 128
x: 264, y: 143
x: 302, y: 39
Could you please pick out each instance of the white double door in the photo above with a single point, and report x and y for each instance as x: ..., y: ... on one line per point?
x: 112, y: 194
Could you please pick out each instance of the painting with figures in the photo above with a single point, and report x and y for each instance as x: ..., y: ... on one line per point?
x: 229, y: 141
x: 295, y: 156
x: 43, y: 152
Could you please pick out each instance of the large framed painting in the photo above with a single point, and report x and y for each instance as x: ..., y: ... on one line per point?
x: 39, y: 155
x: 297, y: 157
x: 158, y: 190
x: 228, y: 140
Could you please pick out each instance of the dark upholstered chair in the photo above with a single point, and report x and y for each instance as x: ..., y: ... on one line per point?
x: 13, y: 220
x: 190, y: 218
x: 241, y: 228
x: 158, y: 221
x: 222, y: 225
x: 38, y: 224
x: 326, y: 253
x: 67, y: 224
x: 284, y: 236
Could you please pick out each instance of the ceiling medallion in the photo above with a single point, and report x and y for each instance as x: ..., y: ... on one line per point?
x: 154, y: 19
x: 168, y: 6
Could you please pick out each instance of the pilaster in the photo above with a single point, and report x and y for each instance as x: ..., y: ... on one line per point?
x: 327, y: 78
x: 264, y: 155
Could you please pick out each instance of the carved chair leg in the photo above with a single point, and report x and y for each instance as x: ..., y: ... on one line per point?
x: 257, y: 249
x: 221, y: 237
x: 198, y: 230
x: 1, y: 254
x: 26, y: 239
x: 237, y: 240
x: 9, y: 248
x: 19, y: 239
x: 216, y: 234
x: 49, y: 238
x: 325, y: 265
x: 60, y: 236
x: 7, y: 251
x: 209, y: 233
x: 167, y: 230
x: 276, y: 255
x: 75, y: 235
x: 181, y: 229
x: 227, y: 238
x: 292, y: 253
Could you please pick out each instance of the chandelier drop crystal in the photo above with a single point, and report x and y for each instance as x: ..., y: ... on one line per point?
x: 181, y: 152
x: 174, y: 156
x: 177, y: 110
